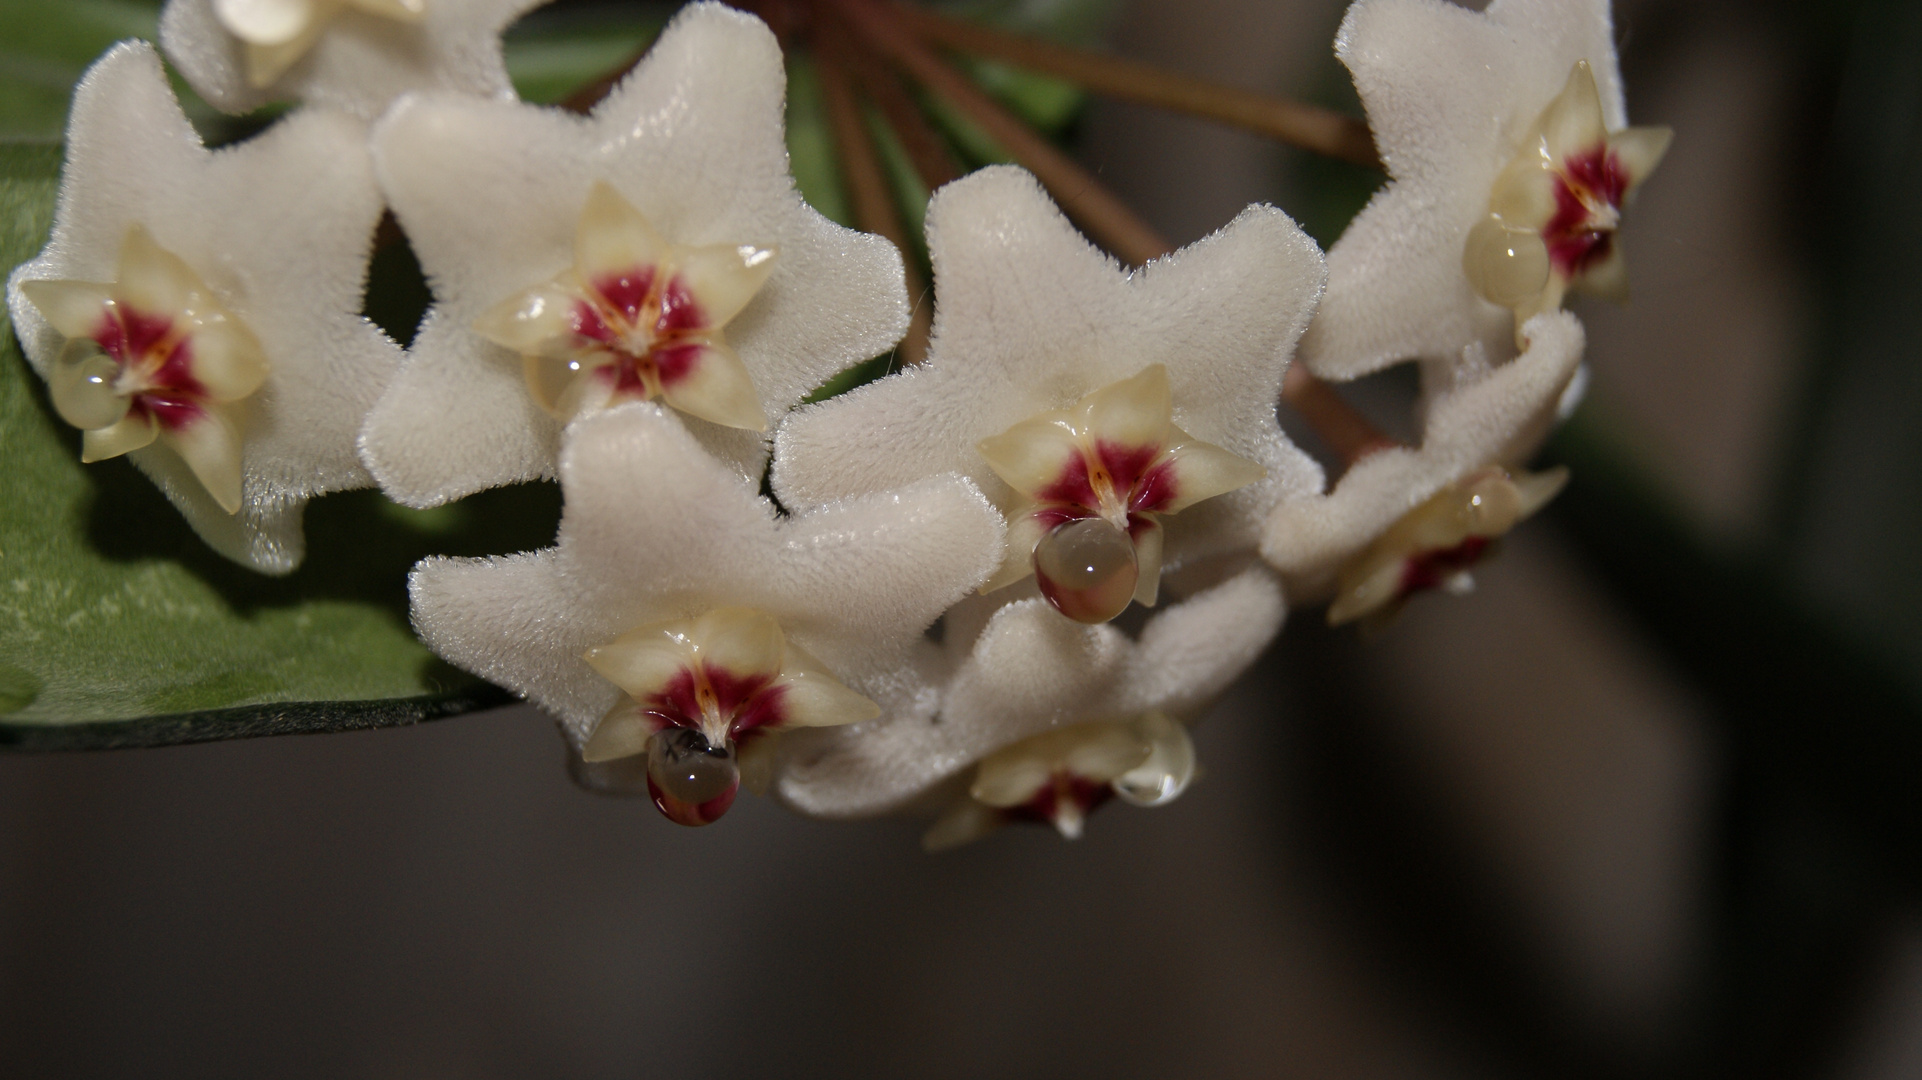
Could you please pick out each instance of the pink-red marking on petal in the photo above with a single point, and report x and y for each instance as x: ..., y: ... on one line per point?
x: 1574, y: 244
x: 749, y: 702
x: 1430, y: 569
x: 162, y: 361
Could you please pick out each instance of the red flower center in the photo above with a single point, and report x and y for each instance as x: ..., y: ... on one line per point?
x: 1588, y: 196
x: 701, y: 690
x: 155, y: 355
x: 1431, y: 569
x: 653, y: 328
x: 1134, y: 479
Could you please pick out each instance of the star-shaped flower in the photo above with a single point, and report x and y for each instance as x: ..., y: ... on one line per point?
x: 1092, y: 404
x: 1024, y: 672
x: 1405, y: 519
x: 1503, y: 132
x: 1093, y: 483
x: 1059, y: 777
x: 1435, y: 545
x: 1554, y: 209
x: 677, y: 603
x: 636, y: 318
x: 607, y: 251
x: 356, y: 55
x: 199, y: 310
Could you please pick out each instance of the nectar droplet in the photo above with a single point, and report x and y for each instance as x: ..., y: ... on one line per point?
x: 692, y: 781
x: 1087, y: 569
x: 556, y: 384
x: 1491, y: 503
x: 1506, y: 266
x: 82, y: 386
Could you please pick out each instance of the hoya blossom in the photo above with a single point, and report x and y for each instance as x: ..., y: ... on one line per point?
x: 657, y: 542
x: 1454, y: 98
x: 494, y: 197
x: 1554, y: 209
x: 1016, y: 670
x: 275, y: 34
x: 1434, y: 545
x: 1093, y: 483
x: 152, y: 355
x: 636, y: 318
x: 1037, y: 336
x: 222, y: 289
x: 1497, y: 418
x: 696, y: 688
x: 1059, y: 777
x: 356, y: 55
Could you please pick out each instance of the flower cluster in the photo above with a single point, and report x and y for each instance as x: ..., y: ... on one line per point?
x: 939, y: 612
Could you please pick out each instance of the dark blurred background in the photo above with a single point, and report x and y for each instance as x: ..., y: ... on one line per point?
x: 1643, y: 805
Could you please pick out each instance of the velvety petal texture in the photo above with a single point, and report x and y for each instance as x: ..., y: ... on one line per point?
x: 278, y: 229
x: 1032, y: 318
x: 1029, y: 671
x: 656, y: 530
x: 356, y: 56
x: 1451, y: 95
x: 492, y: 195
x: 1497, y: 418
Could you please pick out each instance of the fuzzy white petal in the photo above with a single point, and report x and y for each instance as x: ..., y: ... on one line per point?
x: 490, y: 193
x: 1449, y: 93
x: 656, y: 530
x: 1497, y: 418
x: 1032, y: 317
x: 279, y: 228
x: 360, y: 61
x: 1032, y: 671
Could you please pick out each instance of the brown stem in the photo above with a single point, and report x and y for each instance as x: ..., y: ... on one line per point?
x: 875, y: 208
x: 1346, y: 431
x: 1310, y: 127
x: 1104, y: 217
x: 886, y: 27
x: 926, y: 149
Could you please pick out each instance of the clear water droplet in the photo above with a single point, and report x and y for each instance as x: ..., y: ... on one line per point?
x: 558, y: 384
x: 1491, y: 503
x: 1506, y: 266
x: 1087, y: 569
x: 82, y: 388
x: 692, y: 780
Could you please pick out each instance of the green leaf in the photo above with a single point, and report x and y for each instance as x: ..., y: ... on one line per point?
x: 554, y: 52
x: 810, y: 143
x: 119, y: 627
x: 43, y: 49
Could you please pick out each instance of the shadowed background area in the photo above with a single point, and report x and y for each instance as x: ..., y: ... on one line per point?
x: 1638, y: 807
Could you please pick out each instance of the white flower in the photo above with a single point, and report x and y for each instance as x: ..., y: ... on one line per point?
x: 1092, y: 484
x: 1485, y: 122
x: 1083, y: 397
x: 1059, y: 777
x: 656, y: 538
x: 1379, y: 531
x: 1026, y: 672
x: 356, y: 55
x: 207, y: 306
x: 1553, y: 211
x: 530, y: 220
x: 1435, y: 545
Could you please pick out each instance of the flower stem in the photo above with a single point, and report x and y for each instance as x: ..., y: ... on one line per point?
x: 875, y: 207
x: 1346, y: 431
x: 892, y: 30
x: 1106, y: 218
x: 1310, y: 127
x: 925, y: 147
